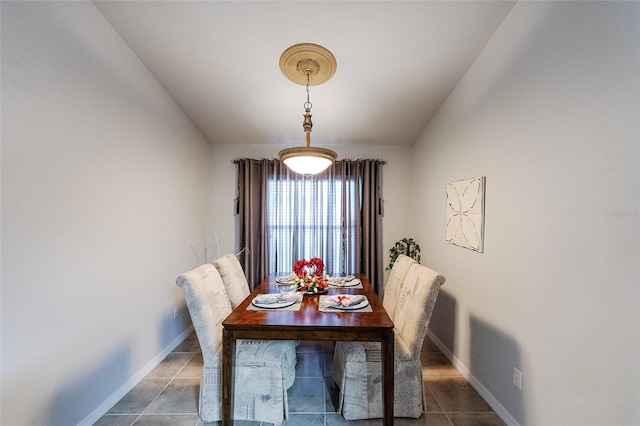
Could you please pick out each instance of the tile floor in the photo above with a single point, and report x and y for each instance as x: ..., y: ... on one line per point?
x: 169, y: 394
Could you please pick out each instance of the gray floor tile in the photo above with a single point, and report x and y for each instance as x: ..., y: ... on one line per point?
x: 304, y: 420
x: 190, y: 344
x: 138, y: 398
x: 421, y: 421
x: 430, y: 419
x: 306, y: 396
x: 332, y: 396
x: 328, y: 363
x: 171, y: 365
x: 429, y: 346
x: 432, y: 403
x: 310, y: 364
x: 475, y: 419
x: 116, y: 420
x: 436, y: 364
x: 193, y: 367
x: 179, y: 397
x: 427, y: 419
x: 435, y: 419
x: 337, y: 419
x: 455, y: 394
x: 167, y: 420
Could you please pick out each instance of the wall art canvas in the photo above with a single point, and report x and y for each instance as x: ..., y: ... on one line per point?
x: 465, y: 213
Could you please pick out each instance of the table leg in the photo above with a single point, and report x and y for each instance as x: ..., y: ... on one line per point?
x: 228, y: 351
x: 388, y: 378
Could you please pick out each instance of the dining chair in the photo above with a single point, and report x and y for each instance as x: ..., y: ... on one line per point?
x: 394, y: 283
x: 357, y: 367
x: 233, y: 278
x: 260, y: 385
x: 237, y: 287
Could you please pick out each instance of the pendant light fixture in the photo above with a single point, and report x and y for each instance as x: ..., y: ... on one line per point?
x: 308, y: 64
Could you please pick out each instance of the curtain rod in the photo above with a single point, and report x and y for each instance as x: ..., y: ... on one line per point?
x: 382, y: 162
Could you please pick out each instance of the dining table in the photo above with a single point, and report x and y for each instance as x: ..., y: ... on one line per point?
x: 308, y: 322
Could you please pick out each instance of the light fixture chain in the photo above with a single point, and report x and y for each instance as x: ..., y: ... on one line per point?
x: 307, y: 124
x: 308, y: 105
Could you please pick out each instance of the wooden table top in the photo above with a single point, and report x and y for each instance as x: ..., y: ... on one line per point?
x: 284, y: 324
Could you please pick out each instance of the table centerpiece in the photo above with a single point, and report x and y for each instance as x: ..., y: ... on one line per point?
x: 309, y: 276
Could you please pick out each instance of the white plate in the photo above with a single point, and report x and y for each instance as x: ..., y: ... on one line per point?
x: 360, y: 305
x: 277, y: 305
x: 284, y: 280
x: 354, y: 282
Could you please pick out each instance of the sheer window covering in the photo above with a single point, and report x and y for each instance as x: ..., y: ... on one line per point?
x: 311, y: 217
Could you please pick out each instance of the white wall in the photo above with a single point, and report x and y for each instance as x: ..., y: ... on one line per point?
x: 549, y: 113
x: 395, y: 188
x: 104, y: 188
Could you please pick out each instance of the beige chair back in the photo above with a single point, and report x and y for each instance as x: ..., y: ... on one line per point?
x: 413, y: 312
x: 394, y: 283
x: 208, y: 306
x: 233, y: 278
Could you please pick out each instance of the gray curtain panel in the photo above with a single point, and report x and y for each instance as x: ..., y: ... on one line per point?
x: 252, y: 214
x: 351, y: 189
x: 371, y: 216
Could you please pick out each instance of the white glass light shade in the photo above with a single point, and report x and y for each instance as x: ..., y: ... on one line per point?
x: 307, y: 160
x: 307, y: 165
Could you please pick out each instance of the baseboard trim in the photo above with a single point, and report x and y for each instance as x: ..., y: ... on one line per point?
x: 473, y: 381
x: 134, y: 380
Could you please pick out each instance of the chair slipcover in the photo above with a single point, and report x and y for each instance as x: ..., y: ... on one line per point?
x: 396, y: 277
x: 237, y: 289
x: 260, y: 385
x: 356, y: 365
x: 233, y: 278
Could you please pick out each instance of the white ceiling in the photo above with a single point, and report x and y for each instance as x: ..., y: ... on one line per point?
x: 397, y: 62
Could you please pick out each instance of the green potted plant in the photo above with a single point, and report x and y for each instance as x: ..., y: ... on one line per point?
x: 406, y: 246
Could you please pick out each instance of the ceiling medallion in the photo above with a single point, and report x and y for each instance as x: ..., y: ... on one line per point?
x: 308, y: 64
x: 323, y: 68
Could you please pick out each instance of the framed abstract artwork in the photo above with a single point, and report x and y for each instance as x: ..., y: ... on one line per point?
x: 465, y: 213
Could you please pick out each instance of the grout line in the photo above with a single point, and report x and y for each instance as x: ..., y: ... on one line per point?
x: 324, y: 390
x: 135, y: 420
x: 437, y: 402
x: 185, y: 364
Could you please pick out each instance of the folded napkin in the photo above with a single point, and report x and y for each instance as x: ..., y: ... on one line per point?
x: 343, y: 300
x: 290, y: 296
x: 287, y: 279
x: 268, y: 299
x: 341, y: 280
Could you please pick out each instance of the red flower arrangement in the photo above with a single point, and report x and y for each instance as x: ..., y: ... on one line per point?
x: 309, y: 276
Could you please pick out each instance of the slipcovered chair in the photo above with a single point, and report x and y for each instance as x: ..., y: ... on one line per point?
x: 396, y: 277
x: 237, y: 289
x: 260, y: 392
x: 233, y: 278
x: 356, y: 365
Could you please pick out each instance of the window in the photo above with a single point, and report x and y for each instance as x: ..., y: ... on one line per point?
x: 311, y: 217
x: 335, y: 215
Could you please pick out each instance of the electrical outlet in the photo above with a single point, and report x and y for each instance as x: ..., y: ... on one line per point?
x: 175, y: 312
x: 517, y: 378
